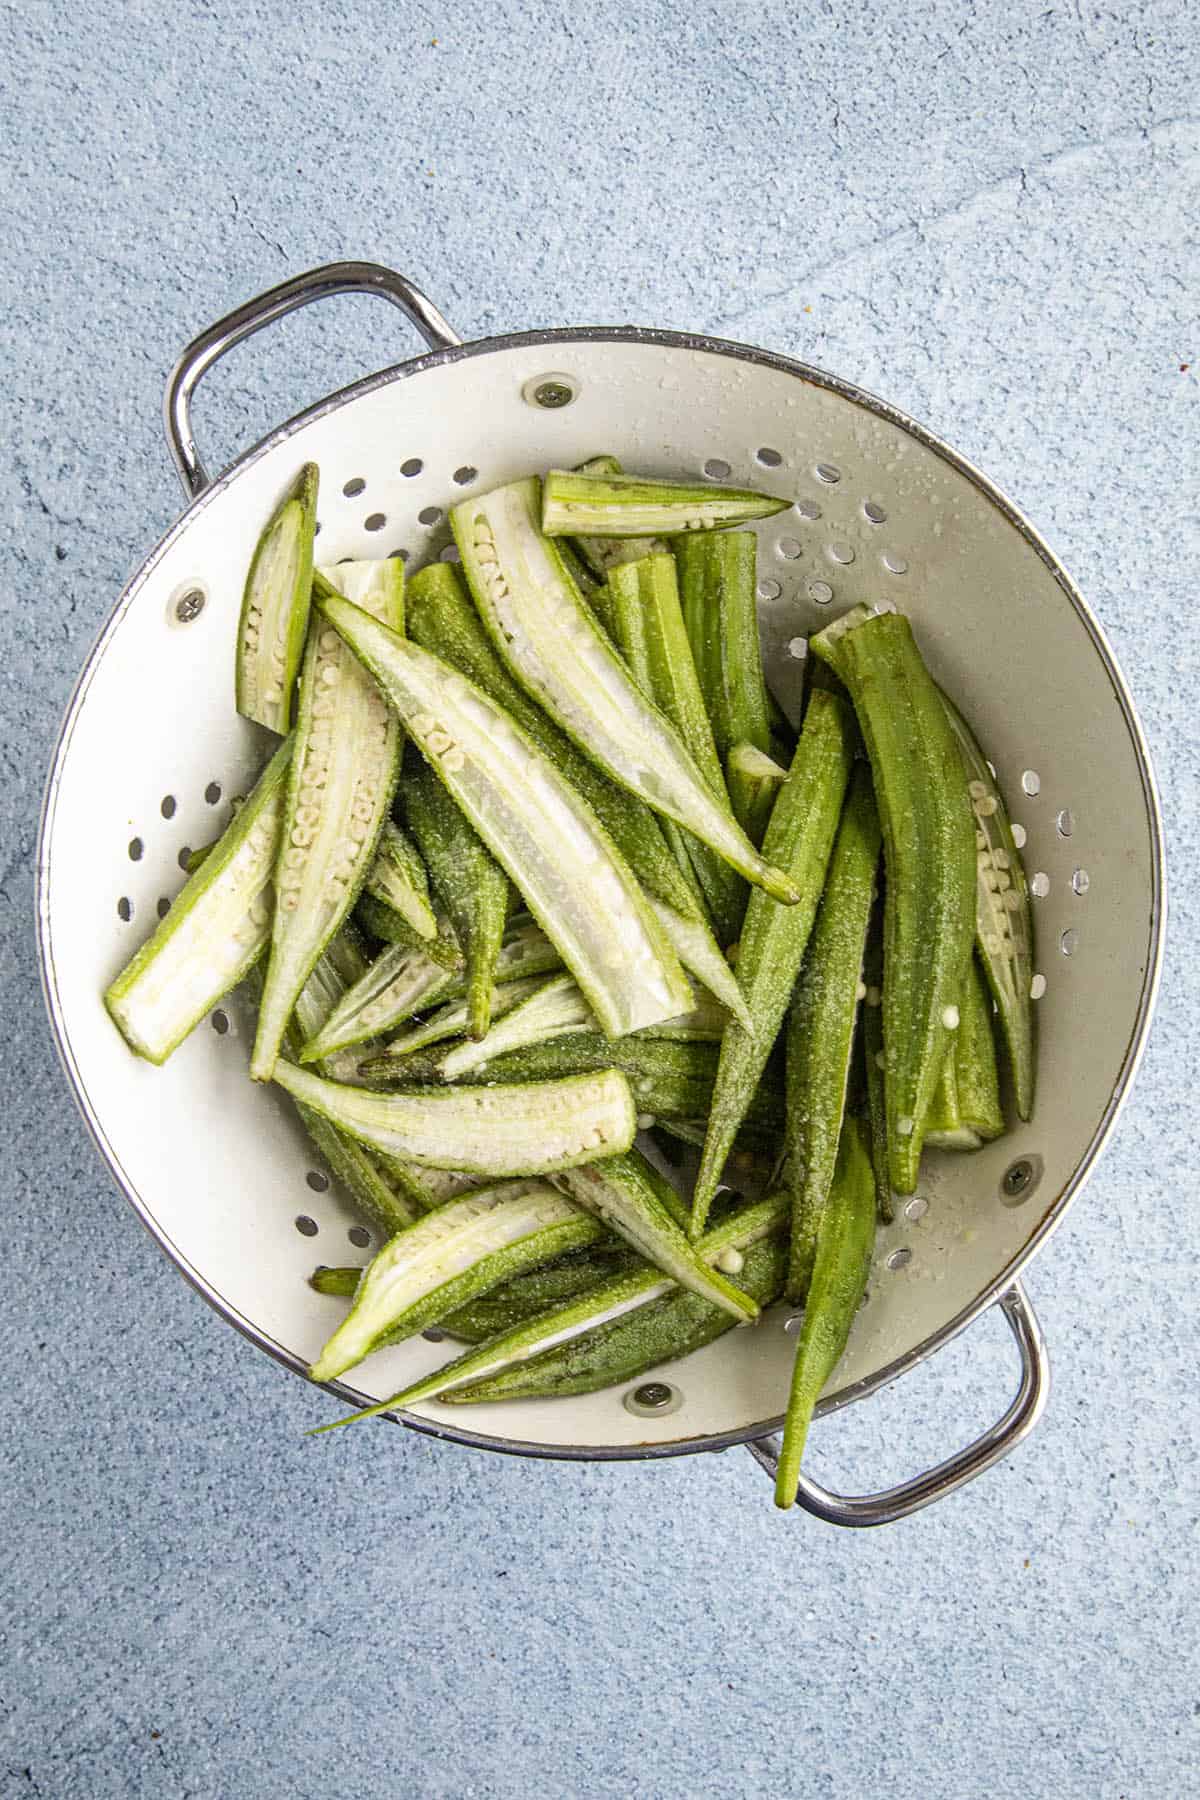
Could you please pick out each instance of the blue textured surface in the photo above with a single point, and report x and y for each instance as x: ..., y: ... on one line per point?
x: 991, y: 219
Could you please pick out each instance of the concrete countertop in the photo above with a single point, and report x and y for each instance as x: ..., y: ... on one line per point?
x: 987, y: 215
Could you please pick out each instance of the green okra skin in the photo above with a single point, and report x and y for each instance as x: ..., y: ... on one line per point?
x: 618, y: 1192
x: 381, y: 920
x: 275, y: 603
x: 845, y: 1241
x: 443, y: 620
x: 929, y: 855
x: 873, y: 1066
x: 341, y: 1282
x: 539, y: 829
x: 447, y: 1258
x: 568, y: 1318
x: 550, y: 1007
x: 720, y: 614
x: 590, y: 585
x: 339, y: 792
x: 650, y: 634
x: 426, y: 1188
x: 404, y: 980
x: 467, y: 879
x: 821, y: 1023
x: 397, y: 877
x: 582, y: 505
x: 453, y: 1019
x: 1003, y: 916
x: 555, y: 649
x: 754, y: 780
x: 527, y: 1296
x: 600, y: 554
x: 214, y: 933
x: 966, y: 1111
x: 533, y: 1128
x: 774, y: 938
x: 663, y: 1330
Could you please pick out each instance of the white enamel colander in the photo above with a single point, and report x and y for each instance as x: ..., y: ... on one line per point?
x: 220, y: 1170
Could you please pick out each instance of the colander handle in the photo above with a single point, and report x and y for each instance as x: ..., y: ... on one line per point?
x: 244, y: 321
x: 922, y: 1490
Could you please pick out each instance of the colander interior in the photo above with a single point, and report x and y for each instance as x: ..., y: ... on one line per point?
x: 152, y: 752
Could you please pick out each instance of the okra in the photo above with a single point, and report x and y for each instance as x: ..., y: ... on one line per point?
x: 530, y: 1129
x: 215, y: 931
x: 636, y: 1288
x: 618, y: 1193
x: 600, y: 554
x: 403, y: 981
x: 447, y: 1258
x: 774, y: 938
x: 340, y: 785
x: 380, y: 920
x: 275, y: 602
x: 821, y: 1021
x: 425, y: 1187
x: 467, y: 879
x: 339, y: 1282
x: 1003, y: 919
x: 538, y: 828
x: 554, y: 647
x: 966, y: 1111
x: 871, y: 1036
x: 754, y: 780
x: 590, y: 585
x: 397, y: 877
x: 443, y: 620
x: 651, y: 637
x: 720, y: 613
x: 929, y: 854
x: 527, y: 1296
x: 845, y: 1240
x: 452, y: 1020
x: 574, y: 504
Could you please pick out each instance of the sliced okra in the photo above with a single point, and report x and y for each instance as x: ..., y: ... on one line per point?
x: 754, y: 780
x: 581, y: 505
x: 274, y: 620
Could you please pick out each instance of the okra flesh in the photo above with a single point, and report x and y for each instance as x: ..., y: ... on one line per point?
x: 397, y: 877
x: 821, y: 1023
x: 527, y: 1296
x: 1003, y: 916
x: 534, y: 1128
x: 602, y: 554
x: 845, y: 1242
x: 618, y: 1193
x: 215, y: 931
x: 929, y: 853
x: 275, y: 605
x: 720, y: 614
x: 580, y: 505
x: 774, y: 938
x: 551, y: 1008
x: 443, y: 620
x: 754, y: 780
x: 556, y: 650
x: 538, y: 828
x: 340, y: 786
x: 633, y: 1288
x: 453, y: 1019
x: 966, y: 1111
x: 697, y: 950
x: 420, y: 1272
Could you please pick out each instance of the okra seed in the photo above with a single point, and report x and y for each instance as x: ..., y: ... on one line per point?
x: 977, y: 789
x: 730, y: 1261
x: 880, y: 1060
x: 950, y: 1018
x: 1037, y: 987
x: 981, y: 840
x: 904, y: 1126
x: 860, y: 992
x: 453, y: 759
x: 1000, y: 858
x: 645, y: 1121
x: 874, y: 996
x: 1012, y: 900
x: 302, y: 836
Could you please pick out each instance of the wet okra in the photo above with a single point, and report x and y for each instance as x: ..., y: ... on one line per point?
x: 720, y: 613
x: 274, y: 620
x: 966, y: 1111
x: 553, y: 646
x: 339, y: 792
x: 575, y: 503
x: 929, y: 853
x: 599, y: 554
x: 754, y: 780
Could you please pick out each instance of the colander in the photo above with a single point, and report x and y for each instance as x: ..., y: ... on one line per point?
x: 220, y: 1170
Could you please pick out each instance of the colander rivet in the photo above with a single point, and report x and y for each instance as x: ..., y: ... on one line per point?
x: 1017, y: 1178
x: 189, y: 606
x: 652, y: 1394
x: 553, y: 394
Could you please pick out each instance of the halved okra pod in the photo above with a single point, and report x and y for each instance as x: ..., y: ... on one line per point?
x: 532, y: 1128
x: 644, y: 596
x: 466, y: 878
x: 447, y: 1258
x: 600, y: 554
x: 576, y: 504
x: 720, y: 613
x: 1003, y: 918
x: 495, y: 1367
x: 216, y: 929
x: 929, y: 852
x: 555, y: 648
x: 966, y: 1111
x: 381, y: 920
x: 397, y: 877
x: 774, y: 938
x: 821, y: 1022
x: 754, y: 780
x: 453, y: 1020
x: 543, y: 833
x: 845, y: 1241
x: 443, y: 620
x: 275, y: 603
x: 340, y: 787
